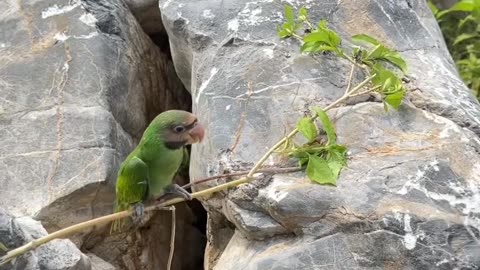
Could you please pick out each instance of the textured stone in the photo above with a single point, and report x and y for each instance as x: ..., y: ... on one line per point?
x: 79, y: 82
x: 147, y: 14
x: 58, y: 254
x: 412, y: 178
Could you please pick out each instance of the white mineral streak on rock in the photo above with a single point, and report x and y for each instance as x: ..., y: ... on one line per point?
x: 61, y: 37
x: 410, y: 239
x: 205, y: 84
x: 470, y: 204
x: 207, y: 14
x: 88, y: 19
x: 274, y: 191
x: 87, y: 36
x: 268, y: 52
x: 233, y: 25
x: 56, y: 10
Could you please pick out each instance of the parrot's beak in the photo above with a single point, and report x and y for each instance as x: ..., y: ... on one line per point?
x: 197, y: 133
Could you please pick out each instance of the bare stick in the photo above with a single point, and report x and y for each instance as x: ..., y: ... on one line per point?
x: 350, y: 79
x: 108, y: 218
x: 172, y: 238
x: 264, y: 170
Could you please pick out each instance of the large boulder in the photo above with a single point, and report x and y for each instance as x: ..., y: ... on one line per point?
x: 409, y: 198
x: 59, y: 254
x: 79, y: 82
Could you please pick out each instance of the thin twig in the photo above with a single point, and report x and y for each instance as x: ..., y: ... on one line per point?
x: 172, y: 238
x: 365, y: 92
x: 350, y: 79
x: 106, y: 219
x: 264, y: 170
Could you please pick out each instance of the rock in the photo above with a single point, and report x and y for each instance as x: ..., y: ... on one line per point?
x: 411, y: 185
x: 70, y: 125
x: 59, y: 254
x: 98, y: 263
x: 79, y: 82
x: 147, y: 14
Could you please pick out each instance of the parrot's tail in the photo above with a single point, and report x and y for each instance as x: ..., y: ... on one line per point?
x: 118, y: 224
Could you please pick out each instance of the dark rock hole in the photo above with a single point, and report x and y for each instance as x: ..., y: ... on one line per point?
x: 195, y: 236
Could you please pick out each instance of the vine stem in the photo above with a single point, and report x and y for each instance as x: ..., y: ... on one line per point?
x: 350, y: 79
x: 294, y: 131
x: 108, y: 218
x: 172, y: 238
x: 203, y: 193
x: 263, y: 170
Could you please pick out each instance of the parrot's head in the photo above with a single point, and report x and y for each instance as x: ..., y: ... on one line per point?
x: 178, y: 128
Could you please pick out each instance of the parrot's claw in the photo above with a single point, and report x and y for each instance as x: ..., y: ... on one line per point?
x: 138, y: 213
x: 179, y: 191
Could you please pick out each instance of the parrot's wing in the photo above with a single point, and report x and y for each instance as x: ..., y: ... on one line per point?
x: 132, y: 187
x: 132, y: 183
x: 183, y: 169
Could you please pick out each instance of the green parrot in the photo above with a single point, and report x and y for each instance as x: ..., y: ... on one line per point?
x: 148, y: 171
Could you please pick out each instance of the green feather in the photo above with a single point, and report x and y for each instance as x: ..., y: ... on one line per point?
x: 150, y: 167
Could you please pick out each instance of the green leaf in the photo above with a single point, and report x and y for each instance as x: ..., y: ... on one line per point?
x: 395, y: 99
x: 459, y: 6
x: 282, y: 33
x: 395, y: 59
x: 384, y: 77
x: 289, y: 15
x: 463, y: 37
x: 319, y: 171
x: 336, y: 158
x: 307, y: 128
x: 364, y: 38
x: 327, y: 125
x: 465, y: 20
x: 322, y: 24
x: 303, y: 14
x: 432, y: 7
x: 377, y: 52
x: 321, y: 36
x: 382, y: 53
x: 315, y: 47
x: 324, y: 36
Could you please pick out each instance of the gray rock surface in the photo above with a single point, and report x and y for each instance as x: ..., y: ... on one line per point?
x: 410, y: 196
x: 80, y: 87
x: 79, y: 82
x: 59, y: 254
x: 147, y: 14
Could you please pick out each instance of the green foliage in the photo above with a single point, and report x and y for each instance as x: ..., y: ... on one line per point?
x: 325, y: 160
x: 327, y: 125
x: 389, y: 85
x: 307, y: 128
x: 321, y: 39
x: 460, y: 26
x: 289, y: 27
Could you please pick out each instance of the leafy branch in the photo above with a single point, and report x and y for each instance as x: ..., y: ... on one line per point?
x: 323, y: 161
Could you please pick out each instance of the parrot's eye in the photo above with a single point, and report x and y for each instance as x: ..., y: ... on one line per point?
x: 179, y: 129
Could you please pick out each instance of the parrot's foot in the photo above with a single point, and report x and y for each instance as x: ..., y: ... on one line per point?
x: 138, y: 213
x: 178, y: 191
